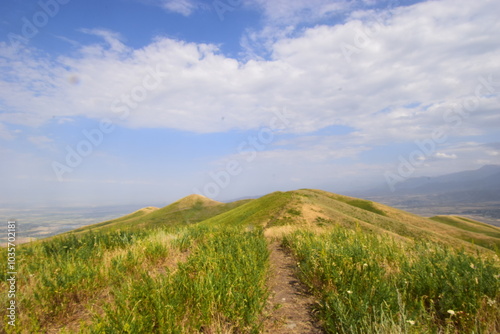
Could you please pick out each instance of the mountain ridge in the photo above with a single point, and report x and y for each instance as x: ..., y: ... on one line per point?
x: 483, y: 179
x: 285, y: 211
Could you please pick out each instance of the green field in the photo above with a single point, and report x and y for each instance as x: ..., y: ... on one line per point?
x: 203, y: 266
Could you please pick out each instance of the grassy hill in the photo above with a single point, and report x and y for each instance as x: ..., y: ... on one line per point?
x: 188, y: 210
x: 198, y: 265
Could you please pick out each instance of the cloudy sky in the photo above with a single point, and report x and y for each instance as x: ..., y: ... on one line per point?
x: 146, y: 101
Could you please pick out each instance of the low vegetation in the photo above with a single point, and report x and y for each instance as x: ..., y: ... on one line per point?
x: 202, y: 266
x: 369, y: 284
x: 220, y: 287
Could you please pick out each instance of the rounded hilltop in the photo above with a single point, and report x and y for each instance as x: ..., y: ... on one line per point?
x: 194, y: 199
x: 146, y: 210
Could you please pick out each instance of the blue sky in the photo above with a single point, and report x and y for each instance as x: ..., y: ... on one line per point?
x: 146, y: 101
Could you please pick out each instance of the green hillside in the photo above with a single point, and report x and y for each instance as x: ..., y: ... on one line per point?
x: 189, y: 210
x: 472, y: 231
x: 198, y: 265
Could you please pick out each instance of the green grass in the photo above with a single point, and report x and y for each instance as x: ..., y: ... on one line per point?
x: 201, y: 266
x: 372, y: 284
x: 468, y: 225
x: 256, y: 212
x: 59, y: 274
x: 220, y: 287
x: 171, y: 215
x: 125, y: 276
x: 475, y: 232
x: 362, y: 204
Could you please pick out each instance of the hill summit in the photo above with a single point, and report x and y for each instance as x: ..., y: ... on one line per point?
x: 195, y: 199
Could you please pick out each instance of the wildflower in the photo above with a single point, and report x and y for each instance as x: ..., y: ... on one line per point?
x: 491, y: 302
x: 365, y: 265
x: 411, y: 322
x: 349, y: 291
x: 472, y: 266
x: 451, y: 312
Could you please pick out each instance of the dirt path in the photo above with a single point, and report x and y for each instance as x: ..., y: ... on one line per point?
x: 289, y: 306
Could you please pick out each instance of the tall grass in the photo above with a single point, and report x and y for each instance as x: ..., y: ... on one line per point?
x: 370, y: 284
x: 129, y: 282
x: 220, y: 287
x: 56, y: 277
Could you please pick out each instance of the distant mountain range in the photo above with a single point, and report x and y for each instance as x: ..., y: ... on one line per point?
x: 473, y: 193
x: 472, y: 186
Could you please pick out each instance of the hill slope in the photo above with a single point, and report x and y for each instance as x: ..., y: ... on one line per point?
x: 288, y: 262
x: 283, y: 211
x: 308, y: 208
x: 188, y: 210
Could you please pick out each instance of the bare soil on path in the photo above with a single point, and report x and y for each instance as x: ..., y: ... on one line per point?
x: 290, y: 305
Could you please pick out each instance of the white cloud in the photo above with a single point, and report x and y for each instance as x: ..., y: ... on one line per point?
x: 445, y: 156
x: 293, y: 12
x: 411, y: 57
x: 281, y: 19
x: 113, y: 39
x: 184, y: 7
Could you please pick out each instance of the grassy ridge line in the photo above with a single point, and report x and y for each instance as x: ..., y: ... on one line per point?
x: 257, y: 212
x: 469, y: 225
x: 285, y: 209
x: 134, y: 216
x: 175, y: 214
x: 399, y: 223
x: 369, y: 284
x: 471, y: 231
x: 476, y: 222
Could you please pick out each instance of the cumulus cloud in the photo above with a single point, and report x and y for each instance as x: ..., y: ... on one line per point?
x: 395, y: 86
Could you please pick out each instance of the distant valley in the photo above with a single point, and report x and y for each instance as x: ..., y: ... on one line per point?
x: 474, y: 193
x: 38, y: 223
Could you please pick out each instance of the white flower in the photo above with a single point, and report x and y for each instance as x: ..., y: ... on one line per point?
x: 349, y: 291
x: 411, y: 322
x: 451, y: 312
